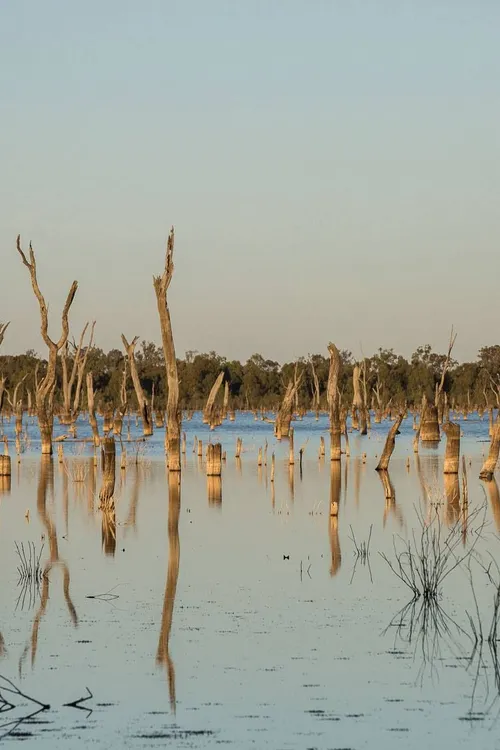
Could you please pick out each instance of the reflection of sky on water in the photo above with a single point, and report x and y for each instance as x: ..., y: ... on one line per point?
x: 271, y: 639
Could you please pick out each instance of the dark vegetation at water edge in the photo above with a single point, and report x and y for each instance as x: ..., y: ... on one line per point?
x: 260, y: 383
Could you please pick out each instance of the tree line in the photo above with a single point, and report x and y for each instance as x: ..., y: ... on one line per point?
x: 389, y: 378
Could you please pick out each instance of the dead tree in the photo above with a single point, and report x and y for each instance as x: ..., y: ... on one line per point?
x: 489, y: 466
x: 208, y: 412
x: 429, y: 422
x: 383, y: 464
x: 452, y: 455
x: 75, y: 379
x: 439, y: 402
x: 45, y: 389
x: 3, y: 328
x: 284, y: 415
x: 316, y: 395
x: 332, y: 395
x: 142, y: 401
x: 118, y: 423
x: 174, y: 414
x: 358, y: 406
x: 91, y: 409
x: 17, y: 406
x: 107, y: 491
x: 225, y: 405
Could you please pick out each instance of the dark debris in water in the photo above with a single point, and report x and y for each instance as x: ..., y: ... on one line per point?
x: 175, y: 734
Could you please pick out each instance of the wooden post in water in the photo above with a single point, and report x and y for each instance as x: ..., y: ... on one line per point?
x: 291, y: 458
x: 239, y: 443
x: 333, y: 402
x: 214, y: 460
x: 390, y: 443
x: 489, y: 465
x: 184, y: 443
x: 452, y: 455
x: 108, y: 458
x: 416, y: 440
x: 200, y: 448
x: 273, y: 466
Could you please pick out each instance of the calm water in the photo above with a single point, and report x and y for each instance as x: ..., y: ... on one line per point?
x: 242, y: 616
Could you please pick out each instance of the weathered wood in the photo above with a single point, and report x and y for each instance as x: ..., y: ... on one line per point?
x: 142, y: 400
x: 174, y: 413
x: 108, y: 459
x: 3, y: 328
x: 5, y: 466
x: 489, y: 466
x: 208, y: 412
x: 71, y: 402
x: 91, y: 408
x: 390, y: 443
x: 452, y: 454
x: 429, y: 423
x: 45, y: 389
x: 332, y: 395
x: 214, y: 460
x: 284, y: 415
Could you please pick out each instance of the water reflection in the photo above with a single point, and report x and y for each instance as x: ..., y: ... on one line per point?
x: 452, y: 494
x: 46, y: 482
x: 494, y: 495
x: 163, y: 657
x: 335, y: 491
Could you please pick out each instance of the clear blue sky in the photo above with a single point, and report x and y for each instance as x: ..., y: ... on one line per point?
x: 332, y: 170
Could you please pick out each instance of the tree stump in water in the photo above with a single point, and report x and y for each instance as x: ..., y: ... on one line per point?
x: 429, y: 424
x: 452, y: 455
x: 108, y: 457
x: 489, y: 465
x: 214, y: 460
x: 5, y: 466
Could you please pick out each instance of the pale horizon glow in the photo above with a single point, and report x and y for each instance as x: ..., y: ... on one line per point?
x: 332, y: 171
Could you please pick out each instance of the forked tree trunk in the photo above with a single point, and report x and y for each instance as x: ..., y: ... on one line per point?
x: 174, y: 414
x: 452, y: 454
x: 383, y: 464
x: 489, y: 466
x: 208, y: 412
x: 333, y: 402
x: 45, y: 389
x: 144, y: 407
x: 71, y: 402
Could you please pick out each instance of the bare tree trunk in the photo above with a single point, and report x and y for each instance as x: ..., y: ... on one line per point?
x: 225, y: 405
x: 108, y: 454
x: 174, y: 414
x: 118, y: 424
x: 284, y: 415
x: 452, y: 455
x: 214, y: 460
x: 429, y: 423
x: 91, y: 408
x: 332, y: 395
x: 45, y: 390
x: 3, y: 328
x: 71, y: 410
x: 383, y: 464
x: 316, y: 396
x: 142, y: 401
x: 489, y: 466
x: 438, y: 403
x: 208, y: 412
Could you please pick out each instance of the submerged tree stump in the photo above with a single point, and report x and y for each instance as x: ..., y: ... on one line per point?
x: 429, y: 423
x: 489, y: 465
x: 332, y: 396
x: 452, y: 454
x: 108, y: 458
x: 383, y: 464
x: 5, y: 466
x: 214, y: 460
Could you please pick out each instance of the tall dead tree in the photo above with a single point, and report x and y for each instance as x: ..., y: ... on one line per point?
x: 75, y: 379
x: 174, y: 414
x: 45, y: 389
x: 332, y: 395
x: 358, y: 403
x: 118, y: 423
x: 142, y: 401
x: 91, y: 409
x: 489, y: 466
x: 208, y: 412
x: 439, y: 400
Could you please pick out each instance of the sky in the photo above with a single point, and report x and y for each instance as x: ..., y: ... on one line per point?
x: 332, y: 170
